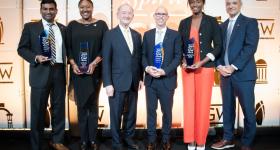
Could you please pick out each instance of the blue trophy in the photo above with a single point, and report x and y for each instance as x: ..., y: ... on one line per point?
x: 158, y: 55
x: 45, y: 45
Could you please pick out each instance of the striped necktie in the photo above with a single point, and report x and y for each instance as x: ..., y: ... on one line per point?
x: 52, y: 43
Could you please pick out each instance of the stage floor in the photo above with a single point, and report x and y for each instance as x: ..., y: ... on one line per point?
x: 268, y: 139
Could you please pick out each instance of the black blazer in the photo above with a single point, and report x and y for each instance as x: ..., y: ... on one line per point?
x: 121, y: 68
x: 172, y: 45
x: 209, y: 32
x: 29, y: 47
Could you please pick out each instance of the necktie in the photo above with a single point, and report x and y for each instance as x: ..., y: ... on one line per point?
x: 229, y: 31
x: 129, y: 40
x: 52, y: 43
x: 158, y: 37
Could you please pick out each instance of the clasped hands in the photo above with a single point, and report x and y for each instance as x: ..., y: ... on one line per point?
x: 155, y: 72
x: 192, y: 67
x: 91, y: 68
x: 225, y: 70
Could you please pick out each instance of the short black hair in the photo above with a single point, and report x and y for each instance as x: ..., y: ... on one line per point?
x: 87, y: 1
x: 48, y: 2
x: 203, y: 1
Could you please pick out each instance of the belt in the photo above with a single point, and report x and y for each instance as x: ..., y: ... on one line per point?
x: 57, y: 65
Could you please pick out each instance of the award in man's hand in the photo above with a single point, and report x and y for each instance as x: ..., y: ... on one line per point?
x: 188, y: 52
x: 158, y: 55
x: 83, y: 57
x: 45, y: 45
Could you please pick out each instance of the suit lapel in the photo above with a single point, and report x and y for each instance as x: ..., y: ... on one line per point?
x: 122, y: 39
x: 165, y: 37
x: 133, y: 35
x: 235, y: 29
x: 225, y: 32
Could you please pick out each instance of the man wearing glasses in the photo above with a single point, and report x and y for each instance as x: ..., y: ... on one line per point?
x: 160, y: 59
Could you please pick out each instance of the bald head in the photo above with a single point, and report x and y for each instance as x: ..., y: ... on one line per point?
x: 125, y: 6
x: 125, y: 14
x: 233, y: 7
x: 161, y: 16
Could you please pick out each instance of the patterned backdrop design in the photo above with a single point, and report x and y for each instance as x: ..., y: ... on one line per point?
x: 15, y: 90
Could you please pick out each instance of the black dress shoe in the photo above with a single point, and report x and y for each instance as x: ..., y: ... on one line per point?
x: 83, y: 146
x: 93, y: 146
x: 166, y: 146
x: 151, y: 146
x: 117, y: 147
x: 129, y: 143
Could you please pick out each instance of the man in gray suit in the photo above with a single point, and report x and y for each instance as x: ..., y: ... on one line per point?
x: 160, y: 81
x: 46, y: 76
x: 122, y: 75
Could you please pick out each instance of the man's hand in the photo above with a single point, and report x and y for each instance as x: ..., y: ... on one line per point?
x: 223, y: 71
x: 141, y: 85
x: 152, y: 71
x: 160, y: 72
x: 41, y: 59
x: 109, y: 90
x: 229, y: 69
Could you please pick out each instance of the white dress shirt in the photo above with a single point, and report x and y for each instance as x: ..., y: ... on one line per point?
x: 160, y: 33
x: 58, y: 40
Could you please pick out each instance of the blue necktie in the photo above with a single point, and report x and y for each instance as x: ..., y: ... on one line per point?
x: 229, y: 31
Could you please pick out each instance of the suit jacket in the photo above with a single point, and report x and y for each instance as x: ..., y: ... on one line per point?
x: 209, y: 31
x: 242, y: 47
x: 172, y: 56
x: 29, y: 47
x: 121, y: 68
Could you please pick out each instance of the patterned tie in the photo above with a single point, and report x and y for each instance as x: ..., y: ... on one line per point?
x: 52, y: 43
x: 129, y: 40
x: 229, y: 31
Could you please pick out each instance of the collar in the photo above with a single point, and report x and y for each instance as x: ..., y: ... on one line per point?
x: 45, y: 23
x: 235, y: 17
x: 124, y: 29
x: 163, y: 30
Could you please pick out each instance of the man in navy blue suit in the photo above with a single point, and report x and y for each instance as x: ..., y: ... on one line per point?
x: 238, y: 74
x: 160, y: 81
x: 122, y: 76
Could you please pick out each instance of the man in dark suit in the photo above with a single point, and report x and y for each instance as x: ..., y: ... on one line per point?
x: 122, y: 75
x: 46, y: 76
x: 238, y: 73
x: 160, y: 82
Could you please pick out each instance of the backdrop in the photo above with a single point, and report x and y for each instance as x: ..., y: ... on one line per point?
x: 14, y: 84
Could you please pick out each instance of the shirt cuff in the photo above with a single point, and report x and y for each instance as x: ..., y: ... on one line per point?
x: 234, y: 67
x: 146, y: 69
x: 211, y: 56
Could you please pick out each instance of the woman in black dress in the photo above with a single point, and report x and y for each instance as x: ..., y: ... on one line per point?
x: 84, y: 41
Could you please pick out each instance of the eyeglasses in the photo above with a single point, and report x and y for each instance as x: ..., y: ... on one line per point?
x: 161, y: 14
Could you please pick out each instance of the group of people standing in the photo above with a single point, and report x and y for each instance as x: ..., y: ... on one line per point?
x: 125, y: 63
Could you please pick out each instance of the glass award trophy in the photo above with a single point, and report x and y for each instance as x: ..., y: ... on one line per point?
x: 84, y: 57
x: 45, y: 45
x: 158, y: 55
x: 188, y: 52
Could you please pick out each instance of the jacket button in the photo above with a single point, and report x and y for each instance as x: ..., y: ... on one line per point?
x: 200, y: 34
x: 200, y: 42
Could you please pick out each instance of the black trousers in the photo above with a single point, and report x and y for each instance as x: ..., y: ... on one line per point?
x: 88, y: 117
x: 39, y: 98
